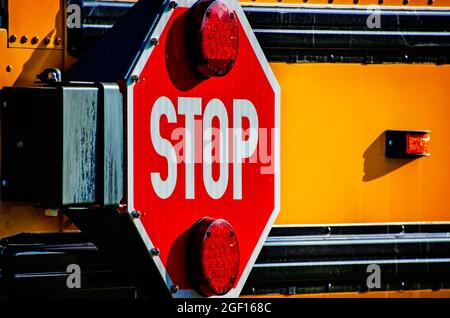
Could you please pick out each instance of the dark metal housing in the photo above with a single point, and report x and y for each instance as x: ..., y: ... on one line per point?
x: 62, y: 145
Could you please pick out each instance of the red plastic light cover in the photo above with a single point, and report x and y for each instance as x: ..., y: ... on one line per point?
x: 214, y: 256
x: 418, y: 144
x: 213, y: 38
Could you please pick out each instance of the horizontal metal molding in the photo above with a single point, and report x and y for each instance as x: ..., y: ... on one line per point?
x: 294, y: 34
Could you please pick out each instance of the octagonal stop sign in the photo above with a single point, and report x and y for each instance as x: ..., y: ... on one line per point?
x: 203, y: 147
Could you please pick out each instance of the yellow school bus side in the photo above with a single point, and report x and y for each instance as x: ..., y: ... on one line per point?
x: 332, y: 143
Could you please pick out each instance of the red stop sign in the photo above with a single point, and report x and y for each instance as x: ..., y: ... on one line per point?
x: 202, y: 147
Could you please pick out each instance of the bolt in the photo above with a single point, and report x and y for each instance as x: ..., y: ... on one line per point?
x: 154, y: 41
x: 174, y: 289
x: 47, y: 40
x: 58, y: 41
x: 9, y: 68
x: 24, y: 39
x: 173, y: 4
x: 13, y: 38
x: 35, y: 40
x: 135, y: 215
x: 155, y: 251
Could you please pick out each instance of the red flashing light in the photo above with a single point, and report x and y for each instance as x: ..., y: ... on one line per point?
x: 418, y: 144
x: 214, y: 256
x: 213, y: 38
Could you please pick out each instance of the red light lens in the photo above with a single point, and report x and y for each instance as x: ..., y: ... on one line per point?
x: 214, y: 256
x: 216, y: 34
x: 418, y: 144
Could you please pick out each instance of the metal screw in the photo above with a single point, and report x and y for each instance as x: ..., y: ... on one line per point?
x: 58, y: 41
x: 174, y: 289
x: 135, y: 215
x: 24, y: 39
x: 13, y: 38
x: 9, y: 68
x: 47, y: 40
x: 35, y: 40
x: 155, y: 251
x: 173, y: 4
x: 154, y: 41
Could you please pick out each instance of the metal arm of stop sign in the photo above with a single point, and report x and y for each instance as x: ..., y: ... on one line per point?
x: 191, y: 107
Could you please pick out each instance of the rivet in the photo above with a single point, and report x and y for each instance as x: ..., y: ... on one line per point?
x: 173, y: 4
x: 20, y: 144
x: 9, y: 68
x: 35, y: 40
x: 135, y: 78
x: 430, y: 2
x: 355, y: 1
x: 208, y: 234
x: 155, y: 251
x: 13, y: 38
x: 154, y: 41
x: 405, y: 2
x: 4, y: 183
x: 135, y: 215
x: 58, y: 41
x: 47, y: 40
x: 174, y: 289
x: 380, y: 2
x: 24, y: 39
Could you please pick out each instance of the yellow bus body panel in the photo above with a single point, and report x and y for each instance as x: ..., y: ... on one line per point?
x: 332, y: 143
